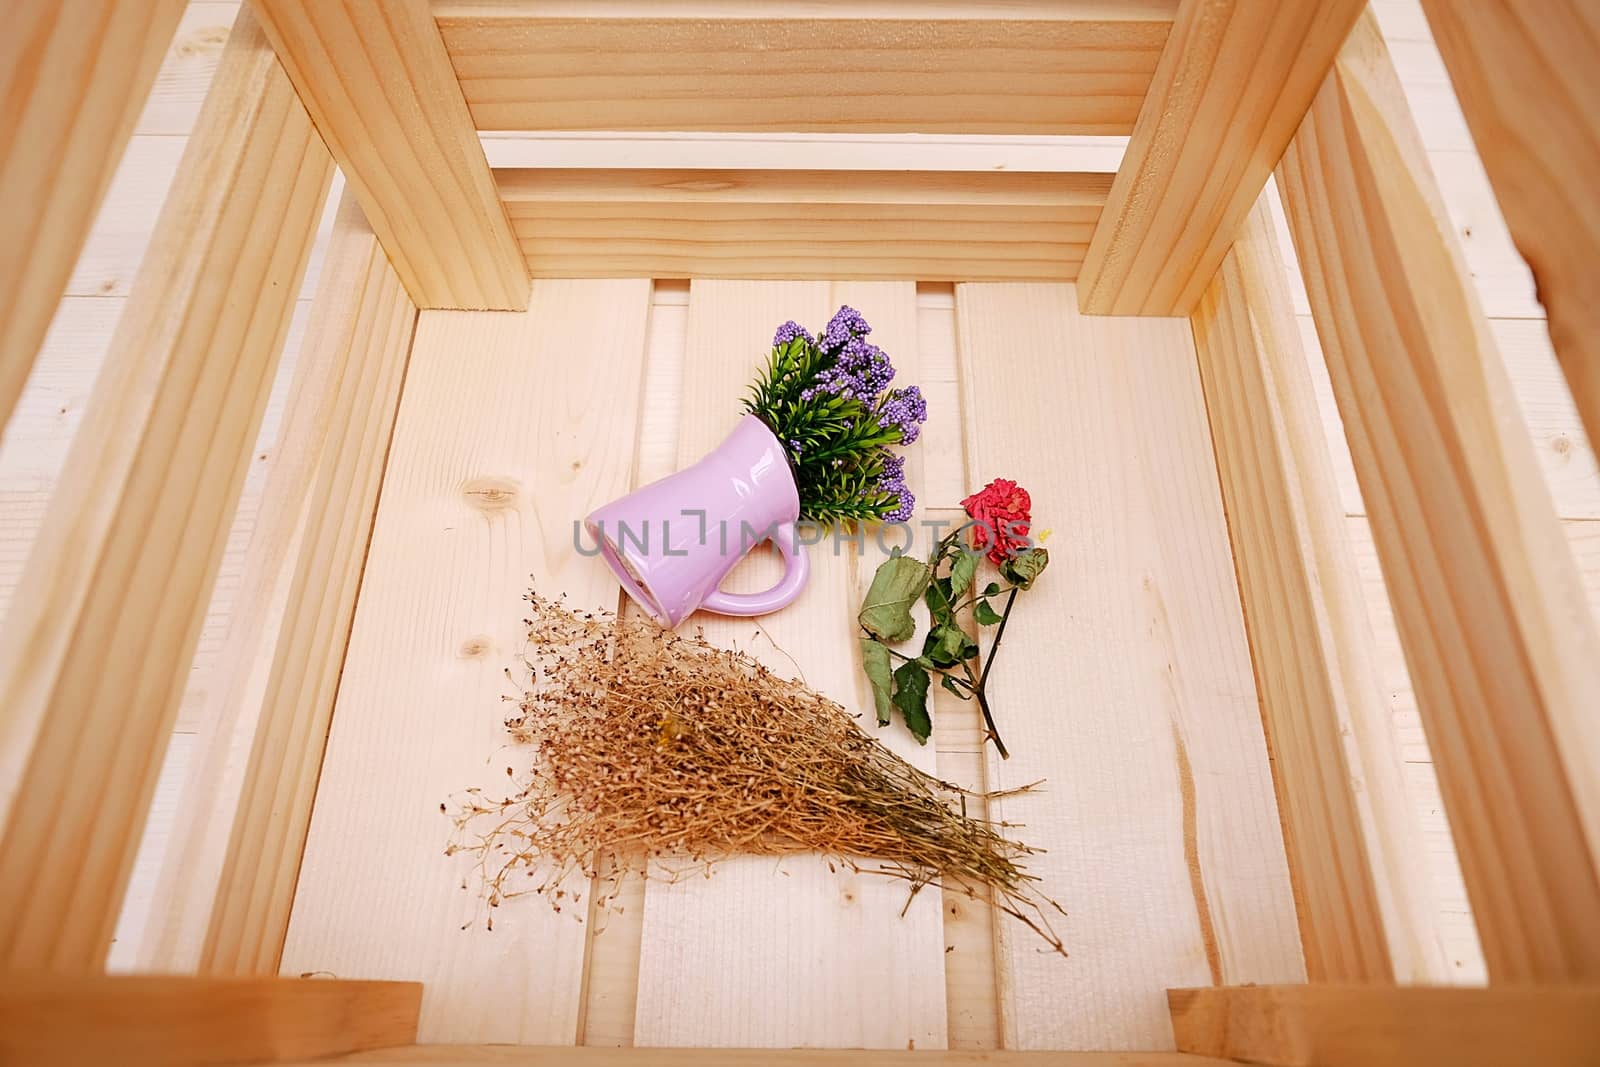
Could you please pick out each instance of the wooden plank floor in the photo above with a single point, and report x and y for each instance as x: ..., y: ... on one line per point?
x: 1158, y: 815
x: 34, y: 444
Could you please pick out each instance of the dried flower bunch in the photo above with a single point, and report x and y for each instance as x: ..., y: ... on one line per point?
x: 651, y: 746
x: 828, y: 399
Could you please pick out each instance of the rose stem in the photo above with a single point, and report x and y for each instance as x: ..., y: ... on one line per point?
x: 983, y: 678
x: 988, y: 719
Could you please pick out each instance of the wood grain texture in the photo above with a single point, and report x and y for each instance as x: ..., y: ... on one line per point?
x: 100, y: 634
x: 802, y: 223
x: 267, y: 717
x: 73, y: 76
x: 787, y: 952
x: 170, y: 1021
x: 925, y: 66
x: 1366, y: 907
x: 470, y: 1056
x: 1232, y: 84
x: 1366, y: 1026
x: 1126, y: 683
x: 1502, y: 648
x: 379, y: 86
x: 1527, y: 83
x: 506, y: 436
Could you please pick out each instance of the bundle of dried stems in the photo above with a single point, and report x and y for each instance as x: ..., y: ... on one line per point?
x: 649, y: 744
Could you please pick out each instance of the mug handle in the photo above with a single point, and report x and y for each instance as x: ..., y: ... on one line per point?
x: 797, y: 568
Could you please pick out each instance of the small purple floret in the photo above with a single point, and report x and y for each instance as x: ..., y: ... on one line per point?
x: 906, y: 411
x: 892, y: 481
x: 860, y: 370
x: 788, y: 332
x: 903, y: 512
x: 845, y: 324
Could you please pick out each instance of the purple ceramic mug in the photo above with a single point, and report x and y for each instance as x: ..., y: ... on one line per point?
x: 672, y: 542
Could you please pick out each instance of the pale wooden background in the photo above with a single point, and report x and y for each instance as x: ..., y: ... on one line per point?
x: 35, y: 443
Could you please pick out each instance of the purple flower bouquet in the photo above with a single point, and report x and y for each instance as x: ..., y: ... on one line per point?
x: 828, y: 399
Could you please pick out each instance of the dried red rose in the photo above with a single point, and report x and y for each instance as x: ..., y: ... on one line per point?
x: 1002, y: 513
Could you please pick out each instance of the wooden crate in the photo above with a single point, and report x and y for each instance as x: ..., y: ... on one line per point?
x: 492, y: 352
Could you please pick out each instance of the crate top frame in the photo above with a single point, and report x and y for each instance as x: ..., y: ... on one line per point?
x: 1208, y: 96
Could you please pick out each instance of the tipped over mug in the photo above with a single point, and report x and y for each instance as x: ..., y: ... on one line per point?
x: 672, y: 542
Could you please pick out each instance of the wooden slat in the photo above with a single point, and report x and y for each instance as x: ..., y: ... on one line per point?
x: 139, y: 905
x: 971, y: 978
x: 99, y: 637
x: 470, y: 1056
x: 266, y: 717
x: 611, y: 972
x: 1526, y: 79
x: 504, y: 439
x: 1463, y: 950
x: 111, y: 256
x: 1233, y: 83
x: 971, y: 968
x: 169, y: 1021
x: 185, y: 75
x: 1125, y: 682
x: 73, y: 76
x: 263, y: 859
x: 1544, y: 405
x: 810, y: 151
x: 1583, y: 538
x: 34, y: 451
x: 1501, y: 646
x: 778, y: 953
x: 1460, y: 935
x: 802, y: 224
x: 1366, y: 909
x: 1504, y: 282
x: 1365, y: 1026
x: 375, y: 77
x: 1501, y: 276
x: 925, y: 66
